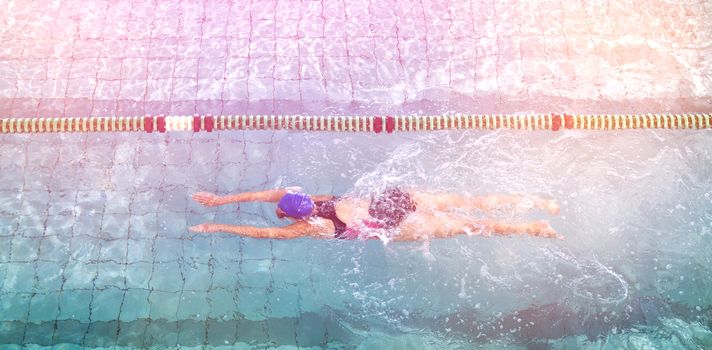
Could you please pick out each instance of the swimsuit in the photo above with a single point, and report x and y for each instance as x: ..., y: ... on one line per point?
x: 354, y: 233
x: 327, y: 210
x: 390, y: 207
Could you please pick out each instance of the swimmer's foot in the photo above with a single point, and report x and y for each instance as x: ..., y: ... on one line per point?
x: 202, y: 228
x: 208, y: 199
x: 542, y: 229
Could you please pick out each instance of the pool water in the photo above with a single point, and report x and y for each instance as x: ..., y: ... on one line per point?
x: 96, y: 251
x: 98, y: 256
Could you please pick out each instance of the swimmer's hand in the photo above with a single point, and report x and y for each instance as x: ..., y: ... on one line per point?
x: 203, y: 228
x: 208, y: 199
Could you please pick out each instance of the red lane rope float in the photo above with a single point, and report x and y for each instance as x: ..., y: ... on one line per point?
x: 376, y: 124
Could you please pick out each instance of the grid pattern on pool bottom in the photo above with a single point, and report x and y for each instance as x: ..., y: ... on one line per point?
x: 96, y: 250
x: 80, y: 301
x: 95, y: 246
x: 307, y: 330
x: 130, y: 58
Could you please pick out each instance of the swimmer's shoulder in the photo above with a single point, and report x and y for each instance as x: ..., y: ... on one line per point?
x: 316, y: 227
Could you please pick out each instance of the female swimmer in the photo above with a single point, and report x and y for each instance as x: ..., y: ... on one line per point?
x: 396, y: 214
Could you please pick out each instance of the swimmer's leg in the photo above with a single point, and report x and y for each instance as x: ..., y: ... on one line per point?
x: 424, y: 226
x: 443, y: 225
x: 490, y: 227
x: 447, y: 201
x: 496, y: 202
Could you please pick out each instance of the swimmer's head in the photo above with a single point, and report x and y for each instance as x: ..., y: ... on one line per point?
x: 391, y: 207
x: 295, y: 205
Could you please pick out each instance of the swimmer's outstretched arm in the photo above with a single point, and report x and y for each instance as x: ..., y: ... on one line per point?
x: 211, y: 199
x: 296, y: 230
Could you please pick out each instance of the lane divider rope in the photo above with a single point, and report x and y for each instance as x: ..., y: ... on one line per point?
x: 376, y: 124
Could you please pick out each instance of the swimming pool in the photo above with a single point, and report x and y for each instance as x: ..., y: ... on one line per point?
x: 94, y: 226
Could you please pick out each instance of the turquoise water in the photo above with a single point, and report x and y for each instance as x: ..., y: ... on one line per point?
x: 97, y: 252
x: 93, y: 228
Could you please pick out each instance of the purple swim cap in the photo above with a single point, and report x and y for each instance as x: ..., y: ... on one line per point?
x: 296, y: 205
